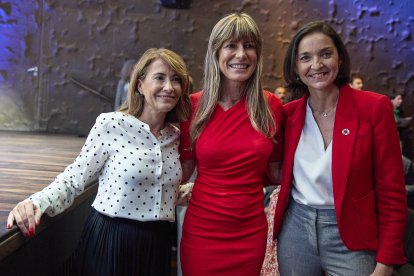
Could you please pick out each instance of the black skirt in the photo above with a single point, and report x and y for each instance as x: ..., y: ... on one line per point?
x: 117, y: 247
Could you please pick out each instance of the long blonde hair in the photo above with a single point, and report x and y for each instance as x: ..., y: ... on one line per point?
x: 135, y: 104
x: 234, y: 27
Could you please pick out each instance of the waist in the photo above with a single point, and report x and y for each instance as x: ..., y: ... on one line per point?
x: 309, y: 212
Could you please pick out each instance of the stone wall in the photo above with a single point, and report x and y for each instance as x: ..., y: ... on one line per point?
x: 79, y: 46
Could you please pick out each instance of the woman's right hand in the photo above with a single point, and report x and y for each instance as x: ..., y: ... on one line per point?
x: 27, y: 216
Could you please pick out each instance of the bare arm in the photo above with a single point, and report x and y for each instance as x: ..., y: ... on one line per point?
x: 188, y: 169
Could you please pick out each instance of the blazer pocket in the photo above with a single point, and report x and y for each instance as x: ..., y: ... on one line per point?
x: 366, y: 216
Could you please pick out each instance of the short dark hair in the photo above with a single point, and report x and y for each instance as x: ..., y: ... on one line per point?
x: 356, y: 76
x: 394, y: 95
x: 298, y: 87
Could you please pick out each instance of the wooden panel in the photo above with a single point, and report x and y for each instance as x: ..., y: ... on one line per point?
x: 28, y: 163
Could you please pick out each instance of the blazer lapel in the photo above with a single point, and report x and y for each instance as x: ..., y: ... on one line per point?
x: 293, y: 132
x: 346, y: 122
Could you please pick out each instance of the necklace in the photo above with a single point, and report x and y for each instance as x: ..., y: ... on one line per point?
x: 324, y: 113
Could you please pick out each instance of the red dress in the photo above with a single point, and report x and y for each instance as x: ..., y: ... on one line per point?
x: 225, y: 228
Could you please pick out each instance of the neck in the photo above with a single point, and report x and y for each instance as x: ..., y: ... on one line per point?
x: 232, y: 90
x: 322, y: 101
x: 156, y: 122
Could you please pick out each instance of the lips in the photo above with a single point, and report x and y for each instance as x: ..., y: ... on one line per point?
x: 318, y: 75
x: 166, y: 97
x: 239, y: 66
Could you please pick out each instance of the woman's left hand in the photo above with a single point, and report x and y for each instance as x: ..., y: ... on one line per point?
x: 382, y: 270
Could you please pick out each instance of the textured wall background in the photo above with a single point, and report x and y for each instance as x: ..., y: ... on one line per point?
x: 88, y: 41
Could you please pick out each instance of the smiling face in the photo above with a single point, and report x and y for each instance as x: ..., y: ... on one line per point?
x: 317, y: 62
x: 161, y: 88
x: 237, y: 60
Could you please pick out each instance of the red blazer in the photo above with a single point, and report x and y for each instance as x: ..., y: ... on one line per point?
x: 367, y: 173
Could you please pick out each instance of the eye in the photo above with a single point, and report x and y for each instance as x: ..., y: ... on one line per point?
x: 176, y: 79
x: 250, y: 45
x: 159, y: 77
x: 304, y: 58
x: 326, y: 54
x: 230, y: 45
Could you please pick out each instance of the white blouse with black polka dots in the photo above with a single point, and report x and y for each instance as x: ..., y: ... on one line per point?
x: 139, y: 175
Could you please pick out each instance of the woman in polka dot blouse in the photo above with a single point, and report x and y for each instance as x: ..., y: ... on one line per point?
x: 134, y: 154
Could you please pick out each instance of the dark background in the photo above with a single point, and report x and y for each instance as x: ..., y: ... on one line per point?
x: 85, y: 42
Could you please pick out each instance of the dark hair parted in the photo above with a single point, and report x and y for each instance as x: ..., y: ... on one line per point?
x: 294, y: 84
x: 135, y: 104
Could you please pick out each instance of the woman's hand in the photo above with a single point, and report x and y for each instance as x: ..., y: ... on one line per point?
x: 27, y: 216
x: 382, y: 270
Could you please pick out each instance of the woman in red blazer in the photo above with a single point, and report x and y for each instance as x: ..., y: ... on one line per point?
x: 342, y: 200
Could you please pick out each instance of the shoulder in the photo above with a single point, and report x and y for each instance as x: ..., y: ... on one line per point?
x: 290, y: 107
x: 195, y: 100
x: 195, y: 97
x: 273, y: 100
x: 366, y: 100
x: 116, y: 120
x: 111, y: 116
x: 173, y: 129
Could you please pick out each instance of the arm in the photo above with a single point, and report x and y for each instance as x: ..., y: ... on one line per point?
x: 274, y: 172
x: 389, y: 185
x: 60, y: 194
x: 188, y: 167
x: 274, y: 169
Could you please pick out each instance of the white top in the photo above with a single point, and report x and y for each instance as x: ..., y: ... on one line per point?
x: 312, y: 169
x: 139, y: 175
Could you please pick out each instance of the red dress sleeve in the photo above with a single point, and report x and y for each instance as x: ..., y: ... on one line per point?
x: 276, y: 108
x: 185, y: 149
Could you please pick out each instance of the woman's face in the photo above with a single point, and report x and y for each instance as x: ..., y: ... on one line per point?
x: 317, y: 62
x: 161, y: 87
x: 238, y: 60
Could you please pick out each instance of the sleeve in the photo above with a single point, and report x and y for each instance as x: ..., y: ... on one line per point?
x: 389, y: 185
x: 278, y: 115
x: 186, y: 152
x: 186, y: 149
x: 60, y: 194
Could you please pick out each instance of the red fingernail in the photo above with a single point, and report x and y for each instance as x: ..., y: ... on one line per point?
x: 31, y: 231
x: 26, y: 234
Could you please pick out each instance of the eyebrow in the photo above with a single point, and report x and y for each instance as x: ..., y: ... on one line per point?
x: 321, y: 50
x: 164, y: 75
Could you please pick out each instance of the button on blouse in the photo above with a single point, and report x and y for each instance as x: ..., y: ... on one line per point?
x: 138, y: 174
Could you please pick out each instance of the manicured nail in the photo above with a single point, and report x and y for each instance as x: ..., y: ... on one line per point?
x: 31, y: 231
x: 26, y: 234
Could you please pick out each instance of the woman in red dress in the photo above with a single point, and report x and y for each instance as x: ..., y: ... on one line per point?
x: 234, y: 137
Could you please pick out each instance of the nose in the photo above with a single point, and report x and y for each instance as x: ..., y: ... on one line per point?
x: 241, y: 52
x: 168, y: 87
x: 316, y: 63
